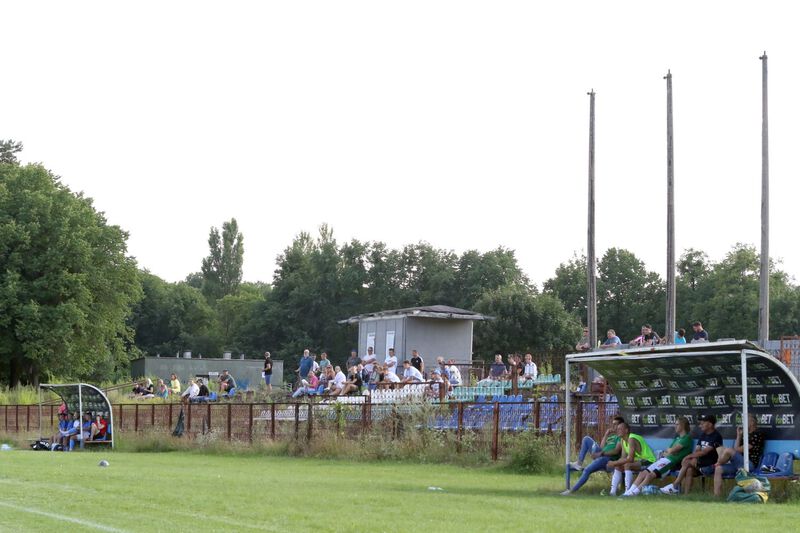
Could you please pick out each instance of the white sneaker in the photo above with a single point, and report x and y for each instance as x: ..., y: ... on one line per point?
x: 669, y: 489
x: 575, y: 465
x: 566, y: 493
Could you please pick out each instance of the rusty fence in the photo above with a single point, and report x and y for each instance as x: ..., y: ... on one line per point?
x: 490, y: 424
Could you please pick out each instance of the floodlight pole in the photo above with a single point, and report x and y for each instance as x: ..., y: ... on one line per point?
x: 591, y: 267
x: 669, y: 328
x: 763, y: 299
x: 745, y: 410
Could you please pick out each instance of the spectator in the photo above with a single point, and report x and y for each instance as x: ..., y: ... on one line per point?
x: 339, y: 381
x: 314, y: 364
x: 375, y: 377
x: 608, y: 450
x: 323, y: 362
x: 73, y: 430
x: 84, y: 432
x: 411, y: 374
x: 702, y: 460
x: 585, y: 344
x: 498, y: 370
x: 325, y: 376
x: 190, y: 393
x: 680, y: 336
x: 306, y: 365
x: 202, y: 390
x: 732, y: 459
x: 669, y: 460
x: 161, y: 390
x: 417, y: 361
x: 530, y: 372
x: 64, y: 426
x: 353, y: 360
x: 612, y: 341
x: 369, y: 360
x: 99, y: 427
x: 268, y: 370
x: 364, y: 373
x: 444, y: 371
x: 353, y: 383
x: 455, y: 373
x: 700, y: 335
x: 647, y: 338
x: 391, y: 377
x: 174, y: 384
x: 390, y: 363
x: 138, y: 390
x: 148, y: 391
x: 307, y: 386
x: 437, y: 382
x: 226, y: 382
x: 636, y: 455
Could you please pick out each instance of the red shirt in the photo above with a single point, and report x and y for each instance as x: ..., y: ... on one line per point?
x: 102, y: 425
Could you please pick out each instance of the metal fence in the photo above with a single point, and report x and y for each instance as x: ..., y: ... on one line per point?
x: 486, y: 425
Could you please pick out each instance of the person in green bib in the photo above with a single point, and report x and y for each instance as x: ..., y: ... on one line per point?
x: 636, y: 455
x: 670, y: 459
x: 608, y: 449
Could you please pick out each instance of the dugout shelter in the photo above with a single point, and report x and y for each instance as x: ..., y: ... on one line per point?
x: 657, y: 384
x: 81, y: 397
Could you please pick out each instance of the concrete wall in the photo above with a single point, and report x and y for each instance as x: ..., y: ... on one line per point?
x: 434, y: 337
x: 244, y: 371
x: 380, y: 328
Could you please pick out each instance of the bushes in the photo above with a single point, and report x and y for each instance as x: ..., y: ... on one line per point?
x: 532, y: 454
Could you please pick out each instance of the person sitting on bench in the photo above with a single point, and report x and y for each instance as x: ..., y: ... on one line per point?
x: 226, y: 383
x: 670, y: 459
x: 99, y: 427
x: 61, y: 437
x: 701, y: 461
x: 732, y: 459
x: 85, y: 431
x: 191, y: 392
x: 202, y: 392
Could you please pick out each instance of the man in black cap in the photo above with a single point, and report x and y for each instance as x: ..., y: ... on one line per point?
x: 702, y: 460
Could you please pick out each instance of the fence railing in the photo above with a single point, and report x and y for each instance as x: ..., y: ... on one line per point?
x: 488, y: 423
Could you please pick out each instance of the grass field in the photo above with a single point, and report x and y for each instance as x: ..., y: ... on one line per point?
x: 180, y: 491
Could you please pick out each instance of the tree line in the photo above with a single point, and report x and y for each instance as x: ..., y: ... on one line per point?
x: 74, y: 304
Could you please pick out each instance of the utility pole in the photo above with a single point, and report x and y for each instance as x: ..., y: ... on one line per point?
x: 591, y: 277
x: 669, y: 328
x: 763, y: 297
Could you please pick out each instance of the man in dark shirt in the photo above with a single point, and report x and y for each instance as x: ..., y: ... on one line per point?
x: 353, y: 360
x: 203, y: 388
x: 732, y: 459
x: 700, y: 335
x: 226, y: 382
x: 701, y: 460
x: 498, y: 370
x: 417, y: 362
x: 353, y: 383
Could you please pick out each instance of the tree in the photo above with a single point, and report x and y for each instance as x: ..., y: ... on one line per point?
x: 67, y: 284
x: 8, y: 151
x: 569, y: 286
x: 222, y: 269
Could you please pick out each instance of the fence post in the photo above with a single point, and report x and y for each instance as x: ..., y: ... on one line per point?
x: 310, y: 423
x: 188, y: 417
x: 537, y: 414
x: 230, y: 408
x: 578, y: 422
x: 363, y: 416
x: 153, y: 415
x: 272, y: 418
x: 6, y: 419
x: 209, y: 416
x: 169, y: 423
x: 27, y: 418
x: 120, y: 419
x: 51, y: 417
x: 296, y: 420
x: 136, y: 418
x: 495, y: 430
x: 16, y: 418
x: 250, y: 424
x: 460, y: 427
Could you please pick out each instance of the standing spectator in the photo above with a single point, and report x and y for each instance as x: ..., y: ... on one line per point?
x: 443, y: 369
x: 226, y: 382
x: 411, y: 374
x: 669, y: 460
x: 680, y: 336
x: 700, y: 335
x: 612, y: 341
x: 364, y: 373
x: 174, y: 384
x: 323, y: 362
x: 369, y: 360
x: 306, y: 365
x: 390, y: 363
x: 314, y: 364
x: 353, y: 360
x: 417, y: 361
x: 585, y: 344
x: 530, y: 372
x: 268, y: 371
x: 455, y: 373
x: 702, y: 460
x: 732, y: 459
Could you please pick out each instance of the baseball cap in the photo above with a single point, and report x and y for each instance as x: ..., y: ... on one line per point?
x: 707, y: 418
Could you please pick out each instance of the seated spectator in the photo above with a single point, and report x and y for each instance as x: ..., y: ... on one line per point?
x: 438, y: 382
x: 336, y: 385
x: 636, y: 455
x: 73, y: 429
x: 174, y: 385
x: 375, y: 377
x: 444, y: 370
x: 190, y: 393
x: 455, y: 373
x: 699, y: 335
x: 410, y: 373
x: 99, y: 427
x: 669, y: 460
x: 530, y: 372
x: 64, y: 425
x: 701, y: 461
x: 202, y: 391
x: 647, y: 338
x: 364, y: 373
x: 138, y: 390
x: 608, y: 450
x: 732, y: 459
x: 680, y: 336
x: 391, y: 377
x: 307, y: 386
x: 148, y: 391
x: 161, y: 390
x: 612, y: 341
x: 227, y: 383
x: 353, y: 383
x: 584, y: 345
x: 84, y: 432
x: 498, y: 371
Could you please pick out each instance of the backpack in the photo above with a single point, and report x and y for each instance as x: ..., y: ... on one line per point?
x: 749, y: 488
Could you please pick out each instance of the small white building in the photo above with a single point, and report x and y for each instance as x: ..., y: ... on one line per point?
x: 436, y: 330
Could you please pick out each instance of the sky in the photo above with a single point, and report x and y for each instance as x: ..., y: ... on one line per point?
x: 463, y: 124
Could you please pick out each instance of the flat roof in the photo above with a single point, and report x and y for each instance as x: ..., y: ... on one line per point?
x: 429, y: 311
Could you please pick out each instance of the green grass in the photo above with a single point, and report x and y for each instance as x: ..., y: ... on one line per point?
x: 182, y: 491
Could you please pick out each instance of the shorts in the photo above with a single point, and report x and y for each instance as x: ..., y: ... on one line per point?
x: 662, y: 467
x: 707, y: 470
x: 267, y: 379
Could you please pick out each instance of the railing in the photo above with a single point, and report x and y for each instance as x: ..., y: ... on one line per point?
x: 490, y: 423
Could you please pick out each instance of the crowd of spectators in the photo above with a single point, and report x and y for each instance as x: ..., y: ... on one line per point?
x: 647, y: 337
x: 196, y: 389
x: 72, y: 429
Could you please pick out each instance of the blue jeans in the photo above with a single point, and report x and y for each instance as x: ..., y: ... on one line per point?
x: 587, y: 444
x: 595, y: 466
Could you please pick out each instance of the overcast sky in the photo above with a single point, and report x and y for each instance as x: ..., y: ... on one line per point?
x: 463, y: 124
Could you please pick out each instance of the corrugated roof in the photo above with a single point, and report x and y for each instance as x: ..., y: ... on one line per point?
x: 428, y: 311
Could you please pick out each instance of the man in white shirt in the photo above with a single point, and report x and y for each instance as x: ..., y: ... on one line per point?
x: 531, y: 372
x: 410, y: 373
x: 390, y: 363
x: 191, y: 392
x: 338, y: 380
x: 390, y: 377
x: 369, y: 360
x: 455, y: 373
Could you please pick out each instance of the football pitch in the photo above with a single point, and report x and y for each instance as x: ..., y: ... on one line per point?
x: 182, y: 491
